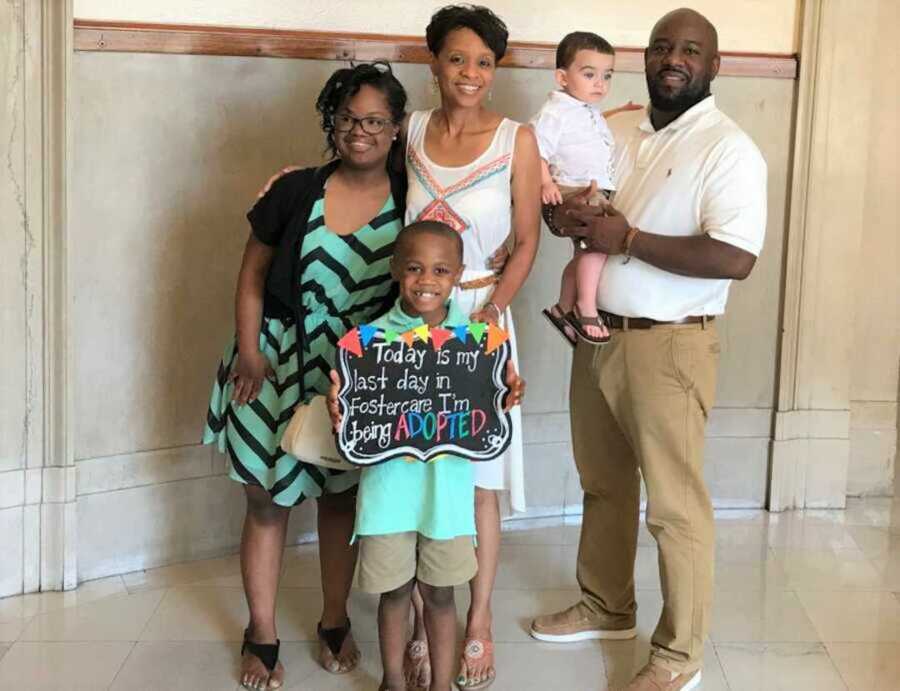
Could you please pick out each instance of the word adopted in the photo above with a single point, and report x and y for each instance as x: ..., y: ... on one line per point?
x: 402, y: 396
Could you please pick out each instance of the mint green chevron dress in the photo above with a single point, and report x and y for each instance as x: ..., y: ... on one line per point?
x: 345, y: 281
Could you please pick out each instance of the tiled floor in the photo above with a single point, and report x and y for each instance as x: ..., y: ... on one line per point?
x: 806, y: 600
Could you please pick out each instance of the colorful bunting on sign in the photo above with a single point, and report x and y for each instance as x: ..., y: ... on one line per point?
x: 350, y: 342
x: 361, y: 336
x: 477, y: 330
x: 367, y: 333
x: 439, y: 337
x: 496, y: 338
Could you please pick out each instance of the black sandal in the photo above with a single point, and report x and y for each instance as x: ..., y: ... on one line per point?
x: 334, y: 639
x: 266, y: 652
x: 560, y: 324
x: 578, y: 321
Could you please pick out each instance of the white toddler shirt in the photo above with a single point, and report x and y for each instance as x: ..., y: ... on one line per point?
x: 575, y: 140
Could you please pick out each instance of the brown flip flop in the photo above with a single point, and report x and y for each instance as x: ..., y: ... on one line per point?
x: 578, y: 321
x: 556, y: 317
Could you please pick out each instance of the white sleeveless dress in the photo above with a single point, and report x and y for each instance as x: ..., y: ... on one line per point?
x: 475, y: 200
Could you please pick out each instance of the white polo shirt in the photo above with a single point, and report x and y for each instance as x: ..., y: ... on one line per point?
x: 575, y: 140
x: 699, y: 174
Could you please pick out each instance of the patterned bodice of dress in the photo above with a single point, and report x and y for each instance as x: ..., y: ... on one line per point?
x: 345, y: 281
x: 474, y: 199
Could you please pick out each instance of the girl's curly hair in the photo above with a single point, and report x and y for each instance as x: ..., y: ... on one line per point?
x: 345, y: 83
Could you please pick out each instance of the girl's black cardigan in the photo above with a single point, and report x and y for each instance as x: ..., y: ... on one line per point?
x: 280, y: 220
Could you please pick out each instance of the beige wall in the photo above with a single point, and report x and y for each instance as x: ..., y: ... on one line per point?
x: 168, y: 152
x: 876, y: 347
x: 744, y: 25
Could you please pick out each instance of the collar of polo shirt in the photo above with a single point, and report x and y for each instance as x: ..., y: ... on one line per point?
x: 687, y: 118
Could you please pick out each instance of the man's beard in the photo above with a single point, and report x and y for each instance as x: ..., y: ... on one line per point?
x: 689, y: 96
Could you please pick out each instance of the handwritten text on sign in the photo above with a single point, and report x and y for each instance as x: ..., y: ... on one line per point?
x: 423, y: 393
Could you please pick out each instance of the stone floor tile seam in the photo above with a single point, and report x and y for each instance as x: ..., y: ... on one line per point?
x: 715, y: 649
x: 540, y: 589
x: 765, y: 645
x: 311, y: 672
x: 23, y: 624
x: 156, y: 609
x: 848, y: 680
x: 792, y: 641
x: 842, y: 591
x: 818, y: 647
x: 214, y: 586
x: 607, y: 670
x: 835, y: 667
x: 135, y: 591
x: 125, y: 660
x: 858, y: 642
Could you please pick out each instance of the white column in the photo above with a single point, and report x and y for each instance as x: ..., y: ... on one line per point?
x: 811, y: 445
x: 37, y: 470
x: 59, y: 538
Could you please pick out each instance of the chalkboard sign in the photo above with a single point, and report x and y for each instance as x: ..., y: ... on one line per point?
x: 423, y: 393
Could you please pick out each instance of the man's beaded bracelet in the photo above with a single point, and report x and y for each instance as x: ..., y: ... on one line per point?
x: 626, y: 245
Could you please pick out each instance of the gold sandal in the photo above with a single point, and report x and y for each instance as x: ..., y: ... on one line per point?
x: 417, y: 665
x: 475, y: 650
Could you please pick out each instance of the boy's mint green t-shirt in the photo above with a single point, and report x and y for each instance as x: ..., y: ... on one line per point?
x: 436, y: 499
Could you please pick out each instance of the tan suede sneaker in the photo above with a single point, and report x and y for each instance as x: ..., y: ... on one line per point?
x: 656, y: 678
x: 577, y: 623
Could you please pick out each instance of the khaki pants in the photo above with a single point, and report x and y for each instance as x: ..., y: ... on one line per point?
x: 641, y: 404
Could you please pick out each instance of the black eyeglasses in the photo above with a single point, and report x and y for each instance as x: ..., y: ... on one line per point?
x: 344, y: 123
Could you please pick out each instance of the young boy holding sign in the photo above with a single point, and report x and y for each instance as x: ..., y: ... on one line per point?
x: 416, y: 521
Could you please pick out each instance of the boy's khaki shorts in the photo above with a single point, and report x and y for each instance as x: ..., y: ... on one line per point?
x: 388, y: 561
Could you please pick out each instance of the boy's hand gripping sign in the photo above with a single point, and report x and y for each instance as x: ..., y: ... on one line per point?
x: 423, y: 393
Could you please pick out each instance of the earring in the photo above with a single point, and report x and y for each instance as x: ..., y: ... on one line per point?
x: 435, y: 87
x: 491, y: 95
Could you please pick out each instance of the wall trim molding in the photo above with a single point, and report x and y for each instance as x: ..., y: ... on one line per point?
x: 183, y: 39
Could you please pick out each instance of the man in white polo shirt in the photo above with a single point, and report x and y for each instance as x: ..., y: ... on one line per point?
x: 689, y: 217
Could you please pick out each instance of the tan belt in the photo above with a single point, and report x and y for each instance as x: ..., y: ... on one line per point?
x: 482, y: 282
x: 614, y: 321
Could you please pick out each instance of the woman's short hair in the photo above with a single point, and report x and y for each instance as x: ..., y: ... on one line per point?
x: 345, y: 83
x: 489, y: 27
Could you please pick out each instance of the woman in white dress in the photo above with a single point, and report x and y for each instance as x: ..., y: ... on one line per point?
x: 479, y: 173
